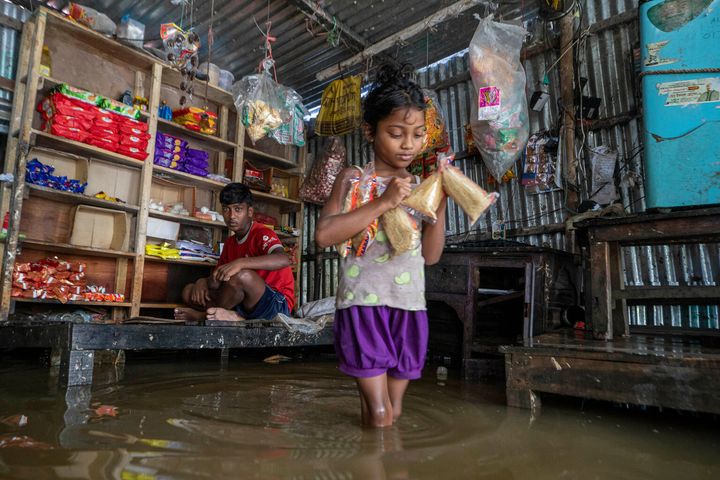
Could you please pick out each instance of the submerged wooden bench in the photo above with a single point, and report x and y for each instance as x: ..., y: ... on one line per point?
x: 661, y: 371
x: 76, y: 343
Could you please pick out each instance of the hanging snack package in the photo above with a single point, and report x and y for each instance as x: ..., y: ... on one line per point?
x: 340, y: 110
x: 499, y: 119
x: 259, y: 101
x: 317, y: 186
x: 425, y: 199
x: 291, y: 132
x: 401, y: 228
x: 467, y: 194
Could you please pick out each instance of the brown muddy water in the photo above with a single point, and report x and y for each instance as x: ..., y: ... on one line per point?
x: 186, y: 417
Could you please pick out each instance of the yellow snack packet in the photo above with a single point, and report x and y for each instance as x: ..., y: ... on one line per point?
x: 466, y: 193
x: 401, y: 230
x: 426, y: 197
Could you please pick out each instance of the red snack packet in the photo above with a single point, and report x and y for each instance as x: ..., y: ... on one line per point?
x: 68, y: 132
x: 77, y: 267
x: 133, y: 152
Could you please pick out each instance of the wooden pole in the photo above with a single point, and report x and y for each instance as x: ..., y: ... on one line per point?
x: 567, y: 82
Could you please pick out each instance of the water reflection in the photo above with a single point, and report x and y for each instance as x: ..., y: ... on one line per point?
x: 300, y: 421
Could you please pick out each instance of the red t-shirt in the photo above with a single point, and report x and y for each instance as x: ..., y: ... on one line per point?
x: 260, y: 241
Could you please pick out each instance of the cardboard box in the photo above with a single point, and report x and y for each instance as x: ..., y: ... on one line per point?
x: 115, y: 180
x: 162, y: 229
x: 100, y: 228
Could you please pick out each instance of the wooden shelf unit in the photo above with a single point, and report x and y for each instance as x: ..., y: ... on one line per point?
x: 90, y: 61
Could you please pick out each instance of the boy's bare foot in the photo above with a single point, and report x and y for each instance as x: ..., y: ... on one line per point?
x: 217, y: 313
x: 189, y: 315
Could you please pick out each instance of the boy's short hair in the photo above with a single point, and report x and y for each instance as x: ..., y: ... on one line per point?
x: 233, y: 193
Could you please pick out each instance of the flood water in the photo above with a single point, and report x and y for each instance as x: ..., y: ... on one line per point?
x: 186, y: 417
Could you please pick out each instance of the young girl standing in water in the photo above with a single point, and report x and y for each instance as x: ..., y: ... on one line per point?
x: 381, y: 324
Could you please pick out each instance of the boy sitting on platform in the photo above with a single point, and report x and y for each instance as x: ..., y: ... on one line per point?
x: 253, y: 279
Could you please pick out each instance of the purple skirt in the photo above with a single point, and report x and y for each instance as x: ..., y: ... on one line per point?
x: 370, y: 341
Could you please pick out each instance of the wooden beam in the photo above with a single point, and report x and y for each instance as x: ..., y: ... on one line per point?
x: 145, y: 185
x: 7, y: 84
x: 24, y: 102
x: 440, y: 16
x: 668, y: 294
x: 567, y: 83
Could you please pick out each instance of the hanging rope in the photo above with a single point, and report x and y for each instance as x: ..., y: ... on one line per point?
x: 211, y: 40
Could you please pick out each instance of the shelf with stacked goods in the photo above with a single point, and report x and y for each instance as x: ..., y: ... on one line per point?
x: 129, y: 195
x: 78, y: 199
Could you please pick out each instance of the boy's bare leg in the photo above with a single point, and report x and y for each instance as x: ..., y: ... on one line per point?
x: 245, y: 289
x: 374, y: 391
x: 224, y: 314
x: 194, y: 313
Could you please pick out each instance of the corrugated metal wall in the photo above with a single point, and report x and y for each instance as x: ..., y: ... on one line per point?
x: 605, y: 58
x: 9, y: 44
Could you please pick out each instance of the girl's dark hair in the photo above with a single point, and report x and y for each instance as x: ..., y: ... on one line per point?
x: 392, y: 89
x: 236, y: 193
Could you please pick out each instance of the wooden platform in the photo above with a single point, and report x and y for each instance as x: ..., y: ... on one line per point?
x: 76, y: 343
x: 661, y: 371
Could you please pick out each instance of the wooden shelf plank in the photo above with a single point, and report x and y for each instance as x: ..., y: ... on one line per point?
x: 693, y: 292
x: 171, y: 76
x: 72, y: 302
x: 149, y: 258
x: 185, y: 219
x: 161, y: 305
x: 210, y: 141
x: 74, y: 249
x: 189, y: 178
x: 274, y: 198
x: 268, y: 160
x: 77, y: 198
x: 44, y: 139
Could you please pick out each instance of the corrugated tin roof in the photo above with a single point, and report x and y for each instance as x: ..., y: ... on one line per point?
x: 299, y: 53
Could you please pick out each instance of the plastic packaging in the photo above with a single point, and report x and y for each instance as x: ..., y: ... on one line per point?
x: 317, y: 186
x: 467, y: 194
x: 131, y: 31
x: 426, y: 197
x: 259, y: 101
x: 91, y: 18
x: 401, y: 228
x: 213, y: 72
x: 340, y: 110
x: 292, y: 131
x: 500, y: 117
x: 45, y: 62
x: 226, y: 80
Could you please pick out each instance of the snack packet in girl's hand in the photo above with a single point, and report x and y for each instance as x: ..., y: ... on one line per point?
x: 426, y: 197
x: 401, y: 229
x: 466, y: 193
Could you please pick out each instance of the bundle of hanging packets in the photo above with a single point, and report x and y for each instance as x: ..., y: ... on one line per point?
x: 173, y: 152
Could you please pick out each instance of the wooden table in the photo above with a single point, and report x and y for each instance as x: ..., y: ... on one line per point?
x: 605, y: 238
x: 76, y: 344
x: 662, y: 371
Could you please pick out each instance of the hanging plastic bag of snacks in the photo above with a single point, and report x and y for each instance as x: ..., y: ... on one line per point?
x: 317, y: 186
x: 340, y: 111
x: 291, y: 132
x: 260, y: 103
x: 499, y: 120
x: 436, y: 138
